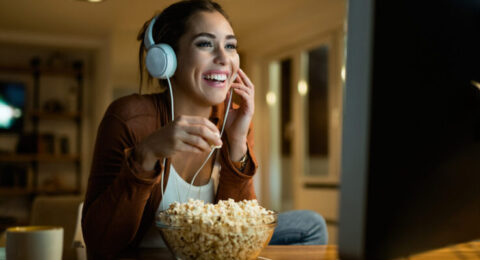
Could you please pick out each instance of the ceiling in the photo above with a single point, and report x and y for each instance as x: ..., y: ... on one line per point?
x: 115, y: 23
x: 73, y: 17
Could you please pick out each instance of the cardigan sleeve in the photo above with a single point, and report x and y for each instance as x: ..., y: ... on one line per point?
x: 116, y: 195
x: 235, y: 184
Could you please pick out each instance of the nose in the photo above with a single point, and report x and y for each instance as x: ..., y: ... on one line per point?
x: 220, y: 56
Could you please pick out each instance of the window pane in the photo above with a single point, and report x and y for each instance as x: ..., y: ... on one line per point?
x: 286, y: 107
x: 317, y: 123
x: 286, y: 133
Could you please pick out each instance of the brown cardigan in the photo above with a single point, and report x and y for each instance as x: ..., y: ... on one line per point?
x: 120, y: 206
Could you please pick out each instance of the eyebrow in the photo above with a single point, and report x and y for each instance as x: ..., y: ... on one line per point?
x: 209, y: 35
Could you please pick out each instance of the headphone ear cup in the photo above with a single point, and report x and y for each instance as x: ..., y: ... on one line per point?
x: 161, y: 61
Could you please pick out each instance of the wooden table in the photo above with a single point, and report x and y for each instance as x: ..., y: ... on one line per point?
x: 270, y: 252
x: 465, y: 251
x: 300, y: 252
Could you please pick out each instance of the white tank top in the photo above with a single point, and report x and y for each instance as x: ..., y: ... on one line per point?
x: 176, y: 190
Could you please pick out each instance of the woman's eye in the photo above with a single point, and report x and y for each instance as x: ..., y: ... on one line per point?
x: 204, y: 44
x: 231, y: 46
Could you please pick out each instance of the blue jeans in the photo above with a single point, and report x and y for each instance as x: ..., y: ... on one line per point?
x: 300, y: 227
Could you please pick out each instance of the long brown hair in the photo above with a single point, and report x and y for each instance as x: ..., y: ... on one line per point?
x: 170, y: 25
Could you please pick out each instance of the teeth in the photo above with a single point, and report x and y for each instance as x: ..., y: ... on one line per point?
x: 218, y: 77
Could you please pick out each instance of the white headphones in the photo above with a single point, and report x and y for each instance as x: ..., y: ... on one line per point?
x: 160, y: 61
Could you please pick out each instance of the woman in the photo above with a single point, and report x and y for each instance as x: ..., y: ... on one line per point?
x: 144, y: 160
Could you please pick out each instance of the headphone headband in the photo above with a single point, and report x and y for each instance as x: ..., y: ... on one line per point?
x: 148, y: 38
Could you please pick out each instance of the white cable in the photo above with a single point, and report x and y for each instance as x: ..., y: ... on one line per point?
x: 172, y: 114
x: 226, y: 112
x: 213, y: 148
x: 172, y: 110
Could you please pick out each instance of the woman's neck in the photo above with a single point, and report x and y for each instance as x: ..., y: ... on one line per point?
x: 184, y: 105
x: 190, y: 109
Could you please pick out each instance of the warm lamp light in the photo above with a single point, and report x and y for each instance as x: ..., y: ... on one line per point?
x: 476, y: 84
x: 302, y: 87
x: 271, y: 98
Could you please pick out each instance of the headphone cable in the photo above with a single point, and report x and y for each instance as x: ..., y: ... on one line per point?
x: 172, y: 115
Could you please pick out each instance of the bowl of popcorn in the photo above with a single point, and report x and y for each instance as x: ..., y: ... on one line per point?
x: 226, y: 230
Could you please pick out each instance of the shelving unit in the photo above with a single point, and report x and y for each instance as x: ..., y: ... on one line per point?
x: 36, y: 115
x: 39, y: 158
x: 56, y: 116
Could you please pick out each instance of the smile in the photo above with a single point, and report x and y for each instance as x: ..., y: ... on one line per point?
x: 216, y: 79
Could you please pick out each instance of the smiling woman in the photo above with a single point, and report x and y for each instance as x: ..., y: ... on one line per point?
x: 144, y: 159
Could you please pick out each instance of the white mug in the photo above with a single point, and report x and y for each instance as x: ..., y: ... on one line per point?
x: 34, y: 243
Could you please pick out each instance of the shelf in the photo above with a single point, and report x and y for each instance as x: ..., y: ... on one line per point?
x: 40, y: 144
x: 14, y: 191
x: 15, y: 69
x: 56, y: 192
x: 320, y: 182
x: 44, y: 71
x: 8, y: 221
x: 39, y: 158
x: 56, y: 158
x: 26, y: 191
x: 56, y: 116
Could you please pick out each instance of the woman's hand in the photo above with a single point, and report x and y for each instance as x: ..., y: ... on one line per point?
x: 185, y: 134
x: 238, y: 121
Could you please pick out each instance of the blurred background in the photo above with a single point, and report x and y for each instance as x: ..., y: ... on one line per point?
x: 62, y: 62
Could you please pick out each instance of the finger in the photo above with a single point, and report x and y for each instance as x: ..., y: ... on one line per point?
x: 242, y: 91
x: 196, y: 142
x: 238, y: 79
x: 185, y: 147
x: 197, y: 120
x: 246, y: 97
x: 247, y: 101
x: 242, y: 87
x: 247, y: 94
x: 245, y: 78
x: 212, y: 138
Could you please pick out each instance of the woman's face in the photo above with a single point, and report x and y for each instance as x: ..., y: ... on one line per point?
x: 207, y: 59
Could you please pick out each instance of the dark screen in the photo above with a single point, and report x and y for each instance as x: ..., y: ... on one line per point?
x: 423, y: 162
x: 424, y: 182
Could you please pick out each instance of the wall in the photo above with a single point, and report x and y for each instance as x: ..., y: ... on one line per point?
x: 301, y: 27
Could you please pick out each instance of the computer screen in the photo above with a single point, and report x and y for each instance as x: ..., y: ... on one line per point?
x: 410, y: 178
x: 12, y: 106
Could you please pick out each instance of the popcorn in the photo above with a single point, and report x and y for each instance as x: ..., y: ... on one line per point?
x: 226, y: 230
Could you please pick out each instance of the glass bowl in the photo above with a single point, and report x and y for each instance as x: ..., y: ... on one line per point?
x: 197, y: 238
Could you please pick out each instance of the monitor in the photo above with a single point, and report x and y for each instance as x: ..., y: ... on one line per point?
x: 12, y: 106
x: 410, y: 178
